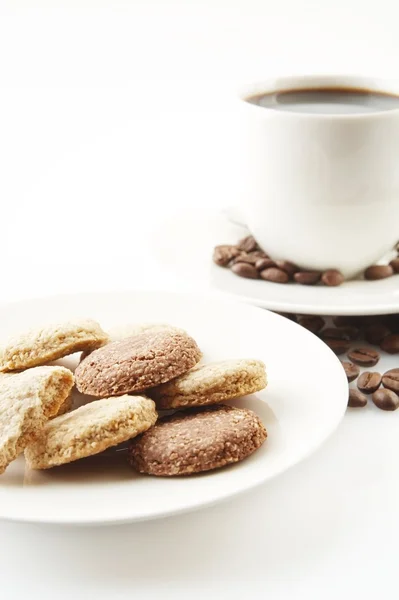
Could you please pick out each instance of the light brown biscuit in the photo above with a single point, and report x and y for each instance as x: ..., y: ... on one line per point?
x: 27, y: 400
x: 136, y: 363
x: 212, y: 383
x: 41, y: 346
x: 66, y: 406
x: 197, y: 440
x: 90, y: 429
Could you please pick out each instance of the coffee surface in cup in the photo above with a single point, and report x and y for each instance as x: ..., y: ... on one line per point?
x: 327, y: 100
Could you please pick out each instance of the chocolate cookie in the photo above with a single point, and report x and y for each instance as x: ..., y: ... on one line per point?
x: 136, y: 363
x: 212, y: 383
x: 198, y: 440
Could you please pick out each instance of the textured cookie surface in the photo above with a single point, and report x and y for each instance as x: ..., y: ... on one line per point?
x: 43, y: 345
x: 131, y: 329
x: 198, y: 440
x: 90, y: 429
x: 136, y: 363
x: 27, y: 400
x: 212, y: 383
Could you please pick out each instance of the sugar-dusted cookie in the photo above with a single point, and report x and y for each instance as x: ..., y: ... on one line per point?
x: 43, y: 345
x: 27, y: 400
x: 212, y: 383
x: 136, y: 363
x: 90, y: 429
x: 197, y: 440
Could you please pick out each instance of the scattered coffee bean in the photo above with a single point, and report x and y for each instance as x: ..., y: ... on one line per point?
x: 287, y: 266
x: 332, y: 277
x: 392, y: 321
x: 247, y: 244
x: 307, y: 277
x: 222, y: 255
x: 378, y: 272
x: 351, y: 331
x: 390, y: 344
x: 245, y: 270
x: 369, y: 382
x: 290, y: 316
x: 334, y: 333
x: 385, y: 399
x: 344, y: 321
x: 338, y: 346
x: 312, y: 322
x: 275, y: 275
x: 264, y: 263
x: 260, y: 254
x: 249, y: 258
x: 376, y: 332
x: 365, y: 357
x: 352, y: 371
x: 395, y: 265
x: 356, y: 399
x: 390, y: 380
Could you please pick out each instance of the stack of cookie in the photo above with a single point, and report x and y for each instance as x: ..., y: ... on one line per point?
x: 127, y: 376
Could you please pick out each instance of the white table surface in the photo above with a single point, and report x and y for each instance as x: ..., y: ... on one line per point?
x: 115, y: 119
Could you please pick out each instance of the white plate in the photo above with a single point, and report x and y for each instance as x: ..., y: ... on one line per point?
x: 196, y: 235
x: 303, y: 404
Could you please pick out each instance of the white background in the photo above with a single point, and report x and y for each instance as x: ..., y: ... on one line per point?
x: 115, y: 120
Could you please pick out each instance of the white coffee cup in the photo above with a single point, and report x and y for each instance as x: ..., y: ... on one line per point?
x: 321, y: 190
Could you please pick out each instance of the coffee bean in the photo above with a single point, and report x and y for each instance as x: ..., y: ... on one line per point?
x: 222, y: 255
x: 249, y: 258
x: 376, y: 332
x: 390, y: 380
x: 392, y: 322
x: 334, y: 333
x: 338, y: 346
x: 312, y: 322
x: 369, y: 382
x: 378, y: 272
x: 290, y: 316
x: 390, y: 344
x: 247, y: 244
x: 395, y: 265
x: 332, y: 277
x: 351, y: 371
x: 264, y: 263
x: 344, y: 321
x: 287, y: 266
x: 275, y: 275
x: 307, y: 277
x: 245, y: 270
x: 356, y: 399
x: 351, y: 331
x: 385, y: 399
x: 363, y: 356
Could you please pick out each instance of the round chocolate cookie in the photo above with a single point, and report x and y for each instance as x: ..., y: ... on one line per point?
x: 197, y: 440
x: 136, y: 363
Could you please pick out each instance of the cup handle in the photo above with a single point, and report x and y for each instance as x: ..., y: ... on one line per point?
x: 234, y: 215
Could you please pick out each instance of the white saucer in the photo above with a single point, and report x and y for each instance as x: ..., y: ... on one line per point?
x: 200, y: 233
x: 302, y: 405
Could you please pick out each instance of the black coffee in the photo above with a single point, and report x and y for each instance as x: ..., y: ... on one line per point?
x: 327, y: 101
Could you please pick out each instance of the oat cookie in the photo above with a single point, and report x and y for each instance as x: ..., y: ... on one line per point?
x: 136, y: 363
x: 27, y: 400
x: 212, y: 383
x: 90, y: 429
x: 43, y: 345
x: 197, y: 440
x: 66, y: 406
